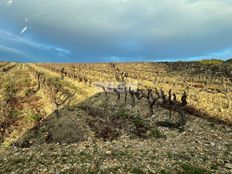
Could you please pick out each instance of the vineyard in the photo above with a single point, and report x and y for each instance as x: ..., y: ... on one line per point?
x: 116, y: 117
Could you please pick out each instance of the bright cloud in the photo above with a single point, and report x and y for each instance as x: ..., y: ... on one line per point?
x: 22, y: 47
x: 130, y: 30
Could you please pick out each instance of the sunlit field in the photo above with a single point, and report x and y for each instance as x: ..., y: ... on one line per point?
x: 116, y: 117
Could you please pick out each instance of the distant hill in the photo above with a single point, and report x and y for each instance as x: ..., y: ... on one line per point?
x: 229, y: 61
x: 212, y: 61
x: 215, y: 61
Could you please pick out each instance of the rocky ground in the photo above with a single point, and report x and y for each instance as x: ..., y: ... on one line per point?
x: 204, y: 147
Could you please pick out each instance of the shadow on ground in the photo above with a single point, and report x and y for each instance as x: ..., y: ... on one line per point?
x: 102, y: 117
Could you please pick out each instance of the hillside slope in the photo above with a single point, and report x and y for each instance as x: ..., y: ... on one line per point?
x: 112, y: 146
x: 52, y: 123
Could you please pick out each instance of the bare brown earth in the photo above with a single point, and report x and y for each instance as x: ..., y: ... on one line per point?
x: 90, y: 132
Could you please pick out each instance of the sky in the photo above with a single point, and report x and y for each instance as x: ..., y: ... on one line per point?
x: 115, y: 30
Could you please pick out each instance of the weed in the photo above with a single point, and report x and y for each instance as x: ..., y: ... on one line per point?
x: 120, y: 154
x: 178, y: 156
x: 137, y: 170
x: 165, y: 172
x: 18, y: 161
x: 141, y: 127
x: 122, y: 112
x: 10, y: 91
x: 189, y: 169
x: 14, y: 114
x: 170, y: 154
x: 28, y: 92
x: 54, y: 81
x: 214, y: 167
x: 138, y: 121
x: 205, y: 158
x: 34, y: 117
x: 156, y: 133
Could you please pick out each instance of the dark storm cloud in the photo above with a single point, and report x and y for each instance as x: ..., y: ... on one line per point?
x: 130, y: 30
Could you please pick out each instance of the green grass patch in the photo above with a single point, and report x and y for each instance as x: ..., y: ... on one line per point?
x: 156, y: 133
x: 122, y: 112
x: 139, y: 121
